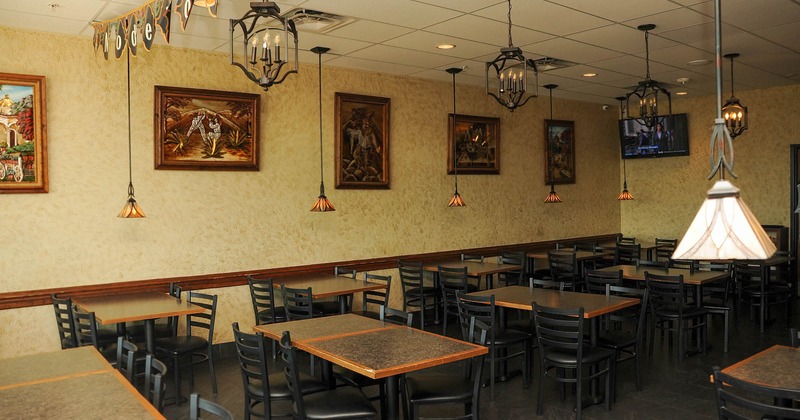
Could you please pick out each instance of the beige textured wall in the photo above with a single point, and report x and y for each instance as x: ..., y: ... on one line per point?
x: 207, y: 222
x: 668, y: 192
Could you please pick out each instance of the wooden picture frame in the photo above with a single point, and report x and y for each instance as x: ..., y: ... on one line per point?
x: 559, y: 151
x: 23, y: 134
x: 779, y: 235
x: 475, y: 144
x: 361, y: 141
x: 200, y: 129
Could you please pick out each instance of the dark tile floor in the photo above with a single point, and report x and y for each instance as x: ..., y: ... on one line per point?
x: 671, y: 390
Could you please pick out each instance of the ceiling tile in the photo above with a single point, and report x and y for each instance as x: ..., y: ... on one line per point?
x: 619, y: 10
x: 567, y: 49
x: 751, y: 15
x: 369, y: 31
x: 427, y: 42
x: 397, y: 55
x: 396, y: 12
x: 538, y: 15
x: 486, y: 30
x: 375, y: 66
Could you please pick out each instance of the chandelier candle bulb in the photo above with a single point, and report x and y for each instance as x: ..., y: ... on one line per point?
x: 277, y: 48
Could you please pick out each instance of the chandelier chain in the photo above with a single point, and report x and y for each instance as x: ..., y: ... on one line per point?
x: 510, y: 43
x: 647, y: 53
x: 732, y: 94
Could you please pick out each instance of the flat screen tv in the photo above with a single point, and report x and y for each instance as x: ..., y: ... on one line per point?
x: 669, y: 138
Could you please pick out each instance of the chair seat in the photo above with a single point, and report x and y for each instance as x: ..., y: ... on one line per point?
x: 591, y: 355
x: 688, y: 312
x: 426, y: 290
x: 279, y: 390
x: 181, y: 344
x: 266, y: 316
x: 342, y: 403
x: 435, y: 389
x: 616, y: 340
x: 772, y: 290
x: 508, y: 336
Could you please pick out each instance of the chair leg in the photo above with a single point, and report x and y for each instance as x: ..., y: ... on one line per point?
x: 211, y: 370
x: 725, y: 339
x: 578, y: 394
x: 681, y: 333
x: 176, y: 365
x: 539, y: 408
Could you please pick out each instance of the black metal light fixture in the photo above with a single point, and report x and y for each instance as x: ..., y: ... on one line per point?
x: 724, y: 227
x: 322, y: 203
x: 733, y: 111
x: 131, y: 210
x: 263, y: 33
x: 456, y: 201
x: 510, y: 72
x: 624, y: 195
x: 648, y: 92
x: 552, y: 197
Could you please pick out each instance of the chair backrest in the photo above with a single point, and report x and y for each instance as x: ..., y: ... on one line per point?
x: 690, y: 265
x: 513, y: 277
x: 396, y: 316
x: 297, y: 303
x: 558, y: 330
x: 203, y: 321
x: 717, y: 289
x: 666, y: 291
x: 126, y: 358
x: 292, y: 372
x: 376, y: 297
x: 411, y: 276
x: 155, y: 384
x: 738, y: 399
x: 626, y: 240
x: 596, y: 281
x: 655, y: 264
x: 65, y: 322
x: 665, y: 248
x: 644, y: 296
x: 262, y: 295
x: 452, y: 280
x: 198, y: 405
x: 547, y: 284
x: 175, y: 291
x: 471, y: 257
x: 476, y: 308
x: 344, y: 272
x: 251, y: 350
x: 627, y: 254
x: 747, y: 273
x: 593, y: 247
x: 85, y: 327
x: 563, y: 267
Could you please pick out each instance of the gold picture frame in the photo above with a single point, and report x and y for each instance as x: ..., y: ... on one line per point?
x: 23, y: 134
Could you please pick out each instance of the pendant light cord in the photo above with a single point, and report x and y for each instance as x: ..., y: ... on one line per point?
x: 624, y: 175
x: 550, y: 145
x: 732, y: 94
x: 455, y: 140
x: 510, y: 44
x: 321, y: 181
x: 130, y: 159
x: 647, y: 54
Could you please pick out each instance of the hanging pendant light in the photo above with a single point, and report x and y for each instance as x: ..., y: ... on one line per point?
x: 456, y: 201
x: 322, y: 203
x: 262, y: 61
x: 648, y: 91
x: 724, y: 228
x: 131, y: 210
x: 624, y: 195
x: 553, y: 196
x: 733, y: 111
x: 510, y: 72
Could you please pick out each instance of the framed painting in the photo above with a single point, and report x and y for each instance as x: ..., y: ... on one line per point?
x: 473, y: 144
x: 23, y: 134
x: 559, y: 151
x: 361, y: 141
x: 202, y: 129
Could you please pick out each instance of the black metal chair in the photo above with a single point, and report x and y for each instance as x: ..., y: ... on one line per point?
x: 340, y: 403
x: 155, y: 383
x: 628, y: 341
x: 298, y: 303
x: 500, y: 340
x: 626, y: 240
x: 261, y: 387
x: 627, y: 254
x: 596, y: 281
x: 672, y: 313
x: 197, y: 349
x: 663, y: 265
x: 760, y: 292
x: 65, y: 322
x: 513, y: 277
x: 126, y: 358
x: 86, y: 334
x: 136, y: 332
x: 421, y: 390
x: 564, y: 269
x: 198, y: 405
x: 262, y: 295
x: 562, y: 349
x: 738, y: 399
x: 716, y: 295
x: 664, y: 249
x: 450, y: 281
x: 333, y: 306
x: 415, y: 293
x: 476, y: 258
x: 375, y: 299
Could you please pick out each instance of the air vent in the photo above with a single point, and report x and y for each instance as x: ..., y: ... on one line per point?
x: 549, y: 63
x: 315, y: 21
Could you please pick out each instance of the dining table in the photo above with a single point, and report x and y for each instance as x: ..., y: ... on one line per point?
x: 694, y: 278
x: 581, y: 257
x: 774, y: 367
x: 474, y: 268
x: 139, y: 306
x: 373, y: 348
x: 71, y: 383
x: 324, y: 285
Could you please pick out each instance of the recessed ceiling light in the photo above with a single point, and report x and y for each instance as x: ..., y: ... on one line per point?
x: 445, y: 46
x: 589, y: 74
x: 681, y: 93
x: 699, y: 62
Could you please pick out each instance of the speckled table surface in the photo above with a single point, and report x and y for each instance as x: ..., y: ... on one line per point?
x: 774, y: 367
x: 38, y: 367
x: 327, y: 285
x: 328, y: 326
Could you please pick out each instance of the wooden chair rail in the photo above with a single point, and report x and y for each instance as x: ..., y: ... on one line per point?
x: 38, y: 297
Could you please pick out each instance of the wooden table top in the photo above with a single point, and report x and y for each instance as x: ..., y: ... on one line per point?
x: 73, y: 383
x: 520, y: 297
x: 631, y: 272
x: 474, y: 268
x: 140, y: 306
x: 34, y: 368
x: 773, y: 367
x: 370, y: 347
x: 579, y: 255
x: 327, y: 285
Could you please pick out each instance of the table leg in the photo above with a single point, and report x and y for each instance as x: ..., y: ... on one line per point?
x: 392, y: 411
x: 149, y: 335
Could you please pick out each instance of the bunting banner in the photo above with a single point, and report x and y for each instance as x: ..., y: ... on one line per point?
x: 140, y: 25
